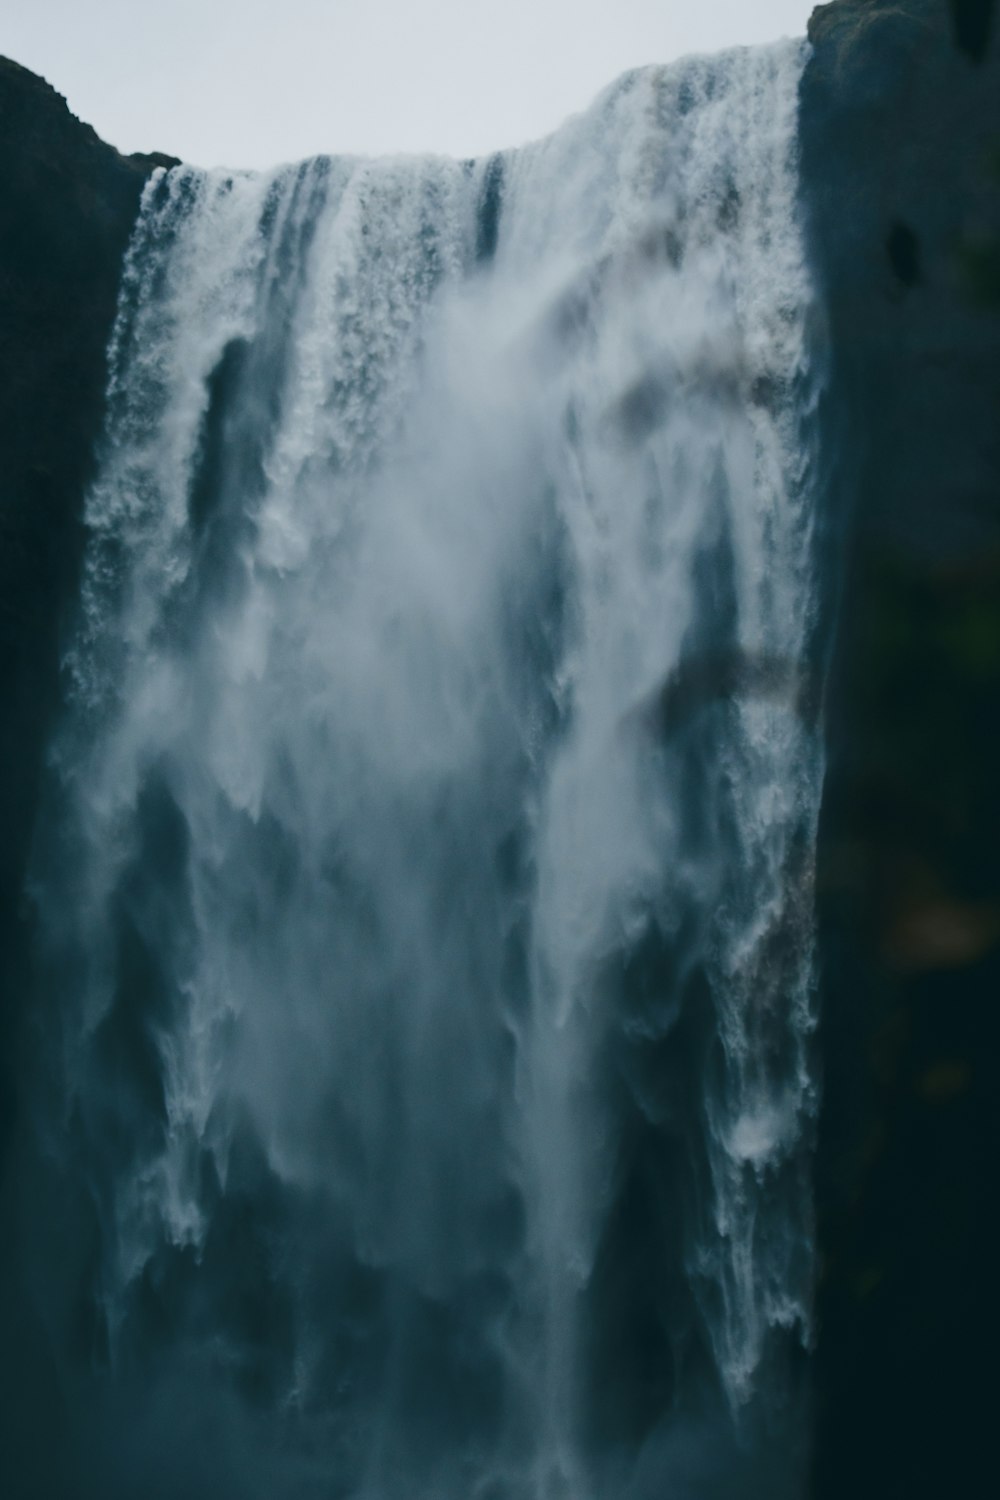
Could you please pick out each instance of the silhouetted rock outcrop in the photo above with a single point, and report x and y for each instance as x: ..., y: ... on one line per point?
x: 67, y: 206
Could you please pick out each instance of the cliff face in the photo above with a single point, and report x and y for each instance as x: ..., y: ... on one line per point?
x: 901, y: 173
x: 66, y: 211
x: 67, y: 206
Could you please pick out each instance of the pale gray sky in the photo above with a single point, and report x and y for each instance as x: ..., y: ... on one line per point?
x: 253, y: 82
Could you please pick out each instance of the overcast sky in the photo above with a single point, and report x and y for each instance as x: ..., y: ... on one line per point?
x: 253, y: 82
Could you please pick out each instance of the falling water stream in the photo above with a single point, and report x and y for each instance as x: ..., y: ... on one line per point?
x: 424, y: 885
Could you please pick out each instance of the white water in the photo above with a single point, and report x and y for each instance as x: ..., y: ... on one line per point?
x: 397, y: 537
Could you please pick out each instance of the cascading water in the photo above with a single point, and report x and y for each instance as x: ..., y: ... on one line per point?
x: 424, y: 885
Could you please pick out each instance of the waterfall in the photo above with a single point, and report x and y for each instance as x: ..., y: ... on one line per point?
x: 424, y: 883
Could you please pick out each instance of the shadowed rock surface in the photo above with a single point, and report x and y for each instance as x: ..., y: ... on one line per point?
x: 67, y: 206
x: 901, y: 165
x: 66, y: 211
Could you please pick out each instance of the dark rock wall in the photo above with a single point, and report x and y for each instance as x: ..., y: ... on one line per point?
x: 67, y: 205
x: 901, y: 172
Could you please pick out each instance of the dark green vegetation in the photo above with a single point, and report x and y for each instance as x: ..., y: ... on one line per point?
x: 901, y: 166
x: 901, y: 146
